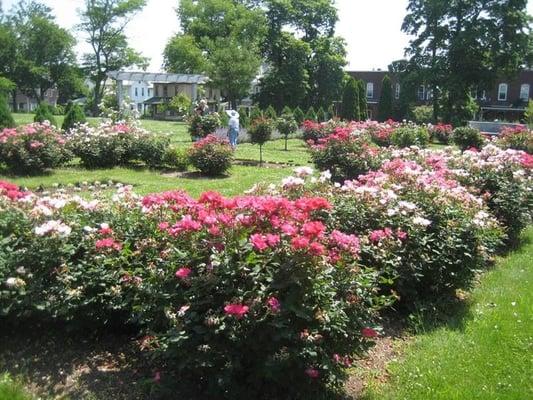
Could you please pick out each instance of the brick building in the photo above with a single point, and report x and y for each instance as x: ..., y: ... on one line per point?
x: 506, y: 101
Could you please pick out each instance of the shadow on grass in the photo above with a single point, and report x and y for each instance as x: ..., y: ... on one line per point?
x: 75, y: 365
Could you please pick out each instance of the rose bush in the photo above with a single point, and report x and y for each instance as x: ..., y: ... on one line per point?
x: 519, y: 138
x: 253, y: 292
x: 211, y: 155
x: 33, y: 148
x: 116, y: 143
x: 346, y: 154
x: 441, y: 133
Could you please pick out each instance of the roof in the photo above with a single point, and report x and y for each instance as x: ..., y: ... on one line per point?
x: 157, y: 77
x: 155, y: 100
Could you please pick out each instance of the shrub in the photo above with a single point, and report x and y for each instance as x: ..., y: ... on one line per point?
x: 422, y: 114
x: 467, y: 138
x: 43, y: 113
x: 350, y: 101
x: 6, y: 119
x: 261, y: 132
x: 245, y: 268
x: 410, y: 135
x: 321, y: 115
x: 363, y: 105
x: 310, y: 115
x: 442, y: 133
x: 385, y: 100
x: 33, y: 148
x: 519, y: 138
x: 299, y: 116
x: 270, y: 113
x: 211, y: 155
x: 74, y: 116
x: 381, y: 134
x: 107, y: 145
x: 287, y: 111
x: 286, y: 125
x: 202, y: 126
x: 151, y: 149
x: 441, y: 235
x: 244, y: 120
x: 255, y: 113
x: 176, y: 158
x: 345, y: 155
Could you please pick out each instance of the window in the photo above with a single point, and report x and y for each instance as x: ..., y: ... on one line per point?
x: 524, y: 92
x: 142, y: 92
x: 369, y: 90
x: 429, y: 94
x: 397, y: 91
x: 502, y: 92
x: 136, y: 92
x: 421, y: 92
x: 165, y: 91
x: 483, y: 95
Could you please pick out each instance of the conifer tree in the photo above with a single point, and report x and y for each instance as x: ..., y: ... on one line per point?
x: 310, y: 115
x: 350, y: 101
x: 385, y: 101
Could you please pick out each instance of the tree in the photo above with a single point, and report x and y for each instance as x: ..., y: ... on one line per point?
x: 321, y: 115
x: 350, y: 101
x: 232, y: 68
x: 74, y: 116
x: 363, y: 107
x: 465, y: 45
x: 43, y: 112
x: 385, y: 101
x: 310, y: 115
x: 220, y: 38
x: 255, y: 113
x: 299, y: 115
x: 35, y: 51
x: 287, y: 81
x: 182, y: 55
x: 6, y: 119
x: 104, y: 23
x: 270, y: 113
x: 326, y: 70
x: 180, y: 103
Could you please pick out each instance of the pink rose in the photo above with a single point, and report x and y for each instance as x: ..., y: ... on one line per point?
x: 369, y: 333
x: 236, y: 310
x: 183, y: 273
x: 274, y: 304
x: 312, y: 373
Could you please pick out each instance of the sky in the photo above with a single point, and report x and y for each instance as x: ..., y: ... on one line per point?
x: 371, y: 28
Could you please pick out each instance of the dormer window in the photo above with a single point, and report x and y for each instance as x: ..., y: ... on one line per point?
x: 397, y: 91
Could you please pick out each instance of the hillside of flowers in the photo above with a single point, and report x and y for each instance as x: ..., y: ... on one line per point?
x: 275, y: 293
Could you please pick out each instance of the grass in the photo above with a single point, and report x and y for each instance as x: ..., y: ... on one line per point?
x: 488, y: 355
x: 11, y: 390
x: 145, y: 181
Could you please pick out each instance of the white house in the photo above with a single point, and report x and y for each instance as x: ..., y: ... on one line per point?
x: 137, y: 92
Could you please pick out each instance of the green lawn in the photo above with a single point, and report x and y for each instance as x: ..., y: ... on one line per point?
x: 488, y: 356
x: 145, y: 181
x: 11, y: 390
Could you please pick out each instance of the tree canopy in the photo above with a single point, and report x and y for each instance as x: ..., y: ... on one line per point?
x: 104, y: 22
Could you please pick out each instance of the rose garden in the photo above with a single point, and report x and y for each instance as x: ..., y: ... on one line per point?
x: 277, y: 291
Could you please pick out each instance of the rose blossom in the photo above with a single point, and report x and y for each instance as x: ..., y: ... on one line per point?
x: 236, y: 310
x: 183, y: 273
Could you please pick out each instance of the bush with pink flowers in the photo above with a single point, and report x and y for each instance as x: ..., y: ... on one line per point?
x: 519, y: 138
x: 253, y: 292
x: 346, y: 154
x: 33, y: 148
x: 441, y: 133
x: 211, y: 155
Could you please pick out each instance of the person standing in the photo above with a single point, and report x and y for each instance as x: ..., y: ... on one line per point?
x: 233, y: 131
x: 202, y: 108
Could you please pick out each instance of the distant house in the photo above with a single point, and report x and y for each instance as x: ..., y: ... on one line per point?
x: 25, y: 103
x: 506, y: 101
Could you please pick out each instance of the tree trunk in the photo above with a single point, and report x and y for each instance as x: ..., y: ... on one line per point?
x: 14, y: 100
x: 97, y: 97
